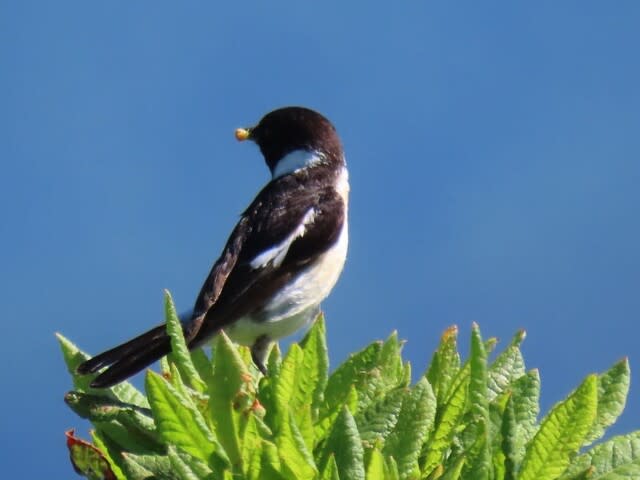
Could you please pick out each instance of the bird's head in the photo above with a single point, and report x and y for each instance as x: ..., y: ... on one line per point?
x: 294, y: 136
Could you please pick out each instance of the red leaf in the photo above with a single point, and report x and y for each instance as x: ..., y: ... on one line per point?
x: 87, y: 460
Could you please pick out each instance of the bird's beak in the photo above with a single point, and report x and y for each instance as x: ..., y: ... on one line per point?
x: 243, y: 134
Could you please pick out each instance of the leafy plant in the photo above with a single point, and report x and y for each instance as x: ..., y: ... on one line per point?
x: 219, y: 418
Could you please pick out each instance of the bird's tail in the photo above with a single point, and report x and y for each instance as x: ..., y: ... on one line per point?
x: 127, y: 359
x: 130, y: 357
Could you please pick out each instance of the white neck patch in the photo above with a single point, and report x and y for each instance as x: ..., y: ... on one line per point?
x: 296, y: 160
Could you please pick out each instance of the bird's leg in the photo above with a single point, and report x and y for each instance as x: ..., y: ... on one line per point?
x: 259, y: 351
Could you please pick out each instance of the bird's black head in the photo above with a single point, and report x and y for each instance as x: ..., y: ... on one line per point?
x: 288, y: 129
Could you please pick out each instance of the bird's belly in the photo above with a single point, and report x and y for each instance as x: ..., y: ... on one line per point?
x: 298, y: 302
x: 247, y: 330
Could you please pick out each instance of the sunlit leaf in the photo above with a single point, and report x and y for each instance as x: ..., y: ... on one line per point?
x: 561, y: 434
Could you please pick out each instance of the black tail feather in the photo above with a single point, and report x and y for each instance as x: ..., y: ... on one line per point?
x: 132, y: 364
x: 128, y: 358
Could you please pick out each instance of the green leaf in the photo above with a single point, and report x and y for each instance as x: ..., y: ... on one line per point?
x: 244, y: 353
x: 448, y: 419
x: 124, y: 439
x: 202, y: 364
x: 147, y: 466
x: 392, y: 373
x: 324, y: 425
x: 454, y: 471
x: 496, y: 416
x: 375, y: 465
x: 390, y: 469
x: 139, y: 428
x: 252, y: 465
x: 315, y: 364
x: 124, y: 391
x: 509, y: 441
x: 253, y: 433
x: 613, y: 387
x: 617, y: 458
x: 291, y: 389
x: 294, y: 456
x: 479, y: 455
x: 180, y: 354
x: 445, y: 364
x: 414, y: 423
x: 525, y: 395
x: 110, y: 454
x: 135, y: 471
x: 357, y: 371
x: 174, y: 377
x: 507, y: 367
x: 131, y: 465
x: 331, y: 470
x: 561, y: 433
x: 517, y: 424
x: 386, y: 374
x: 188, y: 467
x: 179, y: 422
x: 588, y: 475
x: 377, y: 420
x: 275, y: 361
x: 345, y: 446
x: 165, y: 367
x: 180, y: 467
x: 266, y: 384
x: 270, y: 463
x: 228, y: 385
x: 461, y: 379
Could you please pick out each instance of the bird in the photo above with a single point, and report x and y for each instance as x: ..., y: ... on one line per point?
x: 281, y: 260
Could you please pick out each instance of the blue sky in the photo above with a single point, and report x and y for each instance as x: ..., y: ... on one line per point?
x: 494, y: 151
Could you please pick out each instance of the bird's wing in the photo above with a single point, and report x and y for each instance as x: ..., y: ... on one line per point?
x: 220, y: 271
x: 277, y: 236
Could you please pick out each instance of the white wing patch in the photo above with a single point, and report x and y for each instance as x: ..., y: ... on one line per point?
x: 277, y: 253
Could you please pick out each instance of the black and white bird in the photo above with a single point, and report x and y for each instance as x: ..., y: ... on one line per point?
x: 282, y: 258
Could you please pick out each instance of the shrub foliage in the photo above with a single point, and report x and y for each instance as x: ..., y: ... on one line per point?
x: 218, y: 418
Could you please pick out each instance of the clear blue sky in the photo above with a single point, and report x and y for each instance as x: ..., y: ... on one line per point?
x: 494, y: 151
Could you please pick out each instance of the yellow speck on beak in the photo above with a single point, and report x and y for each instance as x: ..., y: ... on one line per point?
x: 242, y: 134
